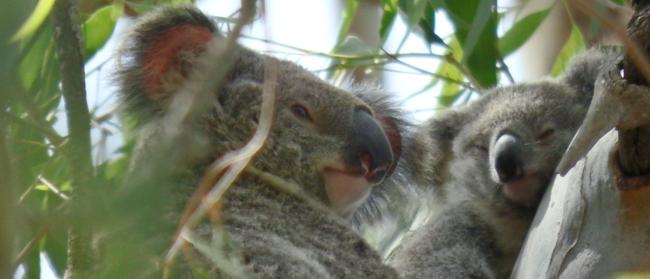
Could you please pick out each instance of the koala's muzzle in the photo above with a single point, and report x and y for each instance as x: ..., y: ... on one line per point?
x: 506, y: 157
x: 370, y: 146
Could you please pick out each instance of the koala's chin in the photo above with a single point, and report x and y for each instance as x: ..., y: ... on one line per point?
x: 525, y: 191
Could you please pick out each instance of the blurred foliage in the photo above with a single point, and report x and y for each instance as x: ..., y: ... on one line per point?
x: 41, y: 174
x: 471, y: 62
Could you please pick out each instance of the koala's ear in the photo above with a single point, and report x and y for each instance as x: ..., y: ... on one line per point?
x: 160, y: 50
x: 584, y: 69
x: 431, y: 149
x: 159, y: 54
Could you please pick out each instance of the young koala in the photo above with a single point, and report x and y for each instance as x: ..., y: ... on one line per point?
x: 490, y: 162
x: 330, y: 143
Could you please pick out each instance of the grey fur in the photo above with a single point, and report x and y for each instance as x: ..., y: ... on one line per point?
x: 275, y: 234
x: 477, y: 230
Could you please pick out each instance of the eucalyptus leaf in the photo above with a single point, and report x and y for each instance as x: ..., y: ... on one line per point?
x: 574, y: 45
x: 35, y: 20
x: 351, y: 7
x: 98, y: 28
x: 414, y: 10
x: 480, y: 61
x: 389, y: 8
x: 428, y: 25
x: 520, y: 32
x: 450, y: 90
x: 353, y: 46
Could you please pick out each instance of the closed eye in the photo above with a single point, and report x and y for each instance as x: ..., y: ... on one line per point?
x: 481, y: 148
x: 301, y: 112
x: 546, y: 134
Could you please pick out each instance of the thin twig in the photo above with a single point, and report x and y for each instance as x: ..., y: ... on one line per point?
x: 477, y: 85
x: 53, y: 188
x: 51, y: 135
x: 29, y: 247
x: 234, y: 161
x: 505, y: 69
x: 342, y: 56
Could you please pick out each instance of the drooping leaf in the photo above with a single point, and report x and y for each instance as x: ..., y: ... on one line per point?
x: 351, y: 7
x: 353, y: 46
x: 389, y: 8
x: 478, y: 27
x: 516, y: 36
x: 32, y: 61
x: 450, y: 90
x: 475, y: 22
x: 98, y: 28
x: 574, y: 44
x: 35, y: 20
x: 413, y: 10
x: 55, y: 245
x: 428, y: 25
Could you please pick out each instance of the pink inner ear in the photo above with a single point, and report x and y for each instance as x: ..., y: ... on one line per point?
x: 163, y: 54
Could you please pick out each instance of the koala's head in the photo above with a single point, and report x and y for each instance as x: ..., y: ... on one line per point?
x: 323, y: 138
x: 504, y: 147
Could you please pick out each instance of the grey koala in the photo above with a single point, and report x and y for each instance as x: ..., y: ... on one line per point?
x: 332, y: 144
x: 490, y: 162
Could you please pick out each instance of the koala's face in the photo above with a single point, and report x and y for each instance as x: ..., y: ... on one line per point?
x: 323, y: 138
x: 515, y: 139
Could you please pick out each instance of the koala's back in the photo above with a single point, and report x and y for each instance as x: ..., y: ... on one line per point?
x: 282, y: 236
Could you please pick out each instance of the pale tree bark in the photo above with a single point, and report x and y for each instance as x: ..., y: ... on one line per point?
x: 593, y: 221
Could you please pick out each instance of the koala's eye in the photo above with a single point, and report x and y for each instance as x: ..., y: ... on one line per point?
x: 481, y: 148
x: 301, y: 112
x: 546, y: 134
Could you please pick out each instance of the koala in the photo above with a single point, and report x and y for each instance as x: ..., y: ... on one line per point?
x: 326, y: 140
x: 489, y: 163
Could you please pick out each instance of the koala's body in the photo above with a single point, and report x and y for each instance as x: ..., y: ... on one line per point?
x: 490, y: 162
x: 331, y: 144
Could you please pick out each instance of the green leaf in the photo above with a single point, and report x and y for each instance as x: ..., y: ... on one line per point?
x: 574, y: 45
x: 414, y: 10
x: 35, y: 20
x: 450, y: 90
x: 389, y: 8
x: 479, y: 24
x: 353, y: 46
x: 520, y: 32
x: 33, y: 58
x: 98, y: 28
x: 351, y: 7
x: 618, y: 2
x: 475, y: 22
x: 55, y: 245
x: 428, y: 24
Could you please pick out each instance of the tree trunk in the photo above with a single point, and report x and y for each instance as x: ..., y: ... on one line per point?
x: 586, y: 227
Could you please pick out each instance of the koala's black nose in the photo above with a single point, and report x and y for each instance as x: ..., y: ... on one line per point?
x: 370, y: 146
x: 507, y: 158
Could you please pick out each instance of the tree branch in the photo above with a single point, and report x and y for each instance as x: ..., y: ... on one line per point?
x: 68, y: 43
x: 634, y: 144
